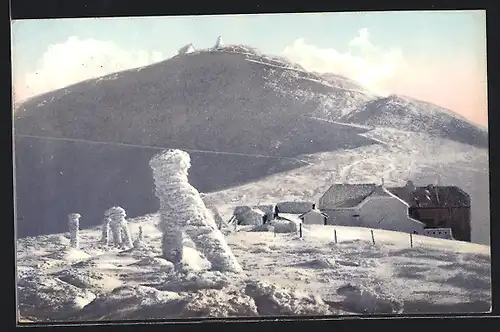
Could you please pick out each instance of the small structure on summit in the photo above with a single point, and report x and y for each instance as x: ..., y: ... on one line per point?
x: 189, y: 48
x: 219, y: 43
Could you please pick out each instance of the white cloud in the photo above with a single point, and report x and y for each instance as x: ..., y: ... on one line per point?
x: 373, y: 67
x: 76, y: 60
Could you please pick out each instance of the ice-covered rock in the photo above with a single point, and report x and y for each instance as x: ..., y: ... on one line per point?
x: 119, y: 227
x: 183, y: 210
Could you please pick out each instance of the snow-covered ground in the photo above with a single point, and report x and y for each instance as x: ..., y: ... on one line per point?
x: 402, y: 156
x: 283, y: 274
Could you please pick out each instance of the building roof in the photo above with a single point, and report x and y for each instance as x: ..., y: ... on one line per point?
x: 313, y: 211
x: 297, y: 207
x: 290, y: 216
x: 343, y: 195
x: 432, y: 196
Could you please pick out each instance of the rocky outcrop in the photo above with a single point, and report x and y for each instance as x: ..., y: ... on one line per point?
x: 183, y: 210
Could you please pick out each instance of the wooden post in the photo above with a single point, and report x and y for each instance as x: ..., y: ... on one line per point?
x: 300, y: 229
x: 335, y: 235
x: 373, y: 237
x: 411, y: 240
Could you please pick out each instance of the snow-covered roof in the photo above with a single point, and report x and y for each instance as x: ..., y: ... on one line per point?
x: 440, y: 196
x: 290, y: 216
x: 297, y: 207
x: 314, y: 211
x: 343, y: 195
x: 256, y: 211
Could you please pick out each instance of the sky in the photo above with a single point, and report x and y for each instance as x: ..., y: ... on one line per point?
x: 436, y: 56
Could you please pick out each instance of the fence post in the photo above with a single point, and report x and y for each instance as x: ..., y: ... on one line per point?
x: 373, y: 237
x: 300, y: 230
x: 411, y: 240
x: 335, y: 235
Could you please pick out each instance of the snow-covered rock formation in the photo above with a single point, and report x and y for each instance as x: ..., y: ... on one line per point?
x: 73, y: 224
x: 219, y: 43
x: 119, y: 227
x: 189, y: 48
x: 183, y: 210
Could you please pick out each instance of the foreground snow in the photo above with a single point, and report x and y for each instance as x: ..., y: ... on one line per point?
x: 283, y: 275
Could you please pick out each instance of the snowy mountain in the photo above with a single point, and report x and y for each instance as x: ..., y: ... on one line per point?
x: 242, y: 115
x: 409, y: 114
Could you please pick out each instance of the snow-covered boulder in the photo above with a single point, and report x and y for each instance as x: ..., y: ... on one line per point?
x: 183, y: 210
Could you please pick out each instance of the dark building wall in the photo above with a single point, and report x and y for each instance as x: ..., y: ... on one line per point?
x: 456, y: 218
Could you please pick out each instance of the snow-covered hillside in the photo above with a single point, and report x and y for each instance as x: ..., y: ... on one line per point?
x: 397, y: 157
x: 283, y: 275
x: 412, y: 115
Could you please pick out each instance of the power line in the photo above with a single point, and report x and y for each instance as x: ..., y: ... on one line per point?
x: 158, y: 147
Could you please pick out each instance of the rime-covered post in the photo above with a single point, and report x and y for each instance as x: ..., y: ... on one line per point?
x: 74, y: 224
x: 182, y: 209
x: 105, y: 231
x: 140, y: 237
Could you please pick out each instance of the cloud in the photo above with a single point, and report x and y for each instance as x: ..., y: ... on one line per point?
x: 76, y: 60
x: 364, y: 62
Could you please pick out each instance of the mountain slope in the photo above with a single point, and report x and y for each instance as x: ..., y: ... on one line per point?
x: 240, y: 116
x: 409, y: 114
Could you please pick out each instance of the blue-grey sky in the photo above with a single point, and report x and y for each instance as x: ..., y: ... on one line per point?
x: 392, y: 47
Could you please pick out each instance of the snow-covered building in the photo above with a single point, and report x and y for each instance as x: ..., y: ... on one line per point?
x: 189, y: 48
x: 368, y: 205
x: 438, y: 207
x: 314, y: 216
